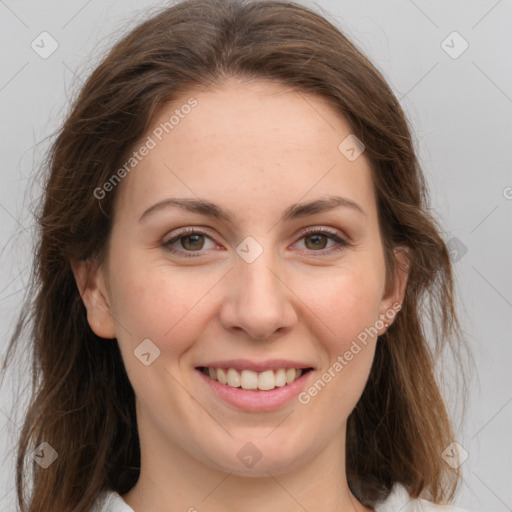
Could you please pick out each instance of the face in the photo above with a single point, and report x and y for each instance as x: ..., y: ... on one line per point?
x: 242, y: 276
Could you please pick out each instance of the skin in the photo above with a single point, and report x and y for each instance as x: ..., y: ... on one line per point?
x: 253, y: 148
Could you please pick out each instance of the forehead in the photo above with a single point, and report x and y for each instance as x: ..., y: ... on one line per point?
x: 247, y: 145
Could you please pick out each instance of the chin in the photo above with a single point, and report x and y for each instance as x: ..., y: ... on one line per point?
x: 257, y: 458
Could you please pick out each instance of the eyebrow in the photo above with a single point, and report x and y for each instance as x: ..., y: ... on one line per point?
x: 294, y: 211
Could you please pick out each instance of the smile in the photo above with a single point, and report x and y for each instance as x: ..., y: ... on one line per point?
x: 263, y: 387
x: 251, y: 380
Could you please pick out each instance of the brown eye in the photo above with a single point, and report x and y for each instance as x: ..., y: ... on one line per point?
x: 318, y: 241
x: 189, y: 243
x: 321, y: 241
x: 192, y: 242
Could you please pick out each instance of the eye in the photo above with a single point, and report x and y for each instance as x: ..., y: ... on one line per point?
x: 189, y: 241
x: 316, y: 240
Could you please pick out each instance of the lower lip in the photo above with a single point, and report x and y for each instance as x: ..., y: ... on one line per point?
x: 250, y: 400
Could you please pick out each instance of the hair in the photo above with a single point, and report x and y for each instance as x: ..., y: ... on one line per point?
x: 82, y: 402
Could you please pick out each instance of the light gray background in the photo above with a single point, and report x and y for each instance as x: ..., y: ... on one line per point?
x: 461, y: 113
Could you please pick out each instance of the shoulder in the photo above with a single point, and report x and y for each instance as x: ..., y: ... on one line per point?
x: 399, y: 499
x: 110, y: 501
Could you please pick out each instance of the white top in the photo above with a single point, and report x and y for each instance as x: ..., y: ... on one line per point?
x: 397, y: 501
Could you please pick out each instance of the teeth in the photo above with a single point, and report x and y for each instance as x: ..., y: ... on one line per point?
x: 233, y: 378
x: 221, y: 376
x: 290, y: 375
x: 248, y: 379
x: 266, y: 380
x: 280, y: 377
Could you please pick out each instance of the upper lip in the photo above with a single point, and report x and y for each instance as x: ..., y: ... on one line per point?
x: 256, y: 366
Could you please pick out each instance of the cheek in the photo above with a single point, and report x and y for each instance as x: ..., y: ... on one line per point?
x: 345, y: 303
x: 163, y: 307
x: 157, y: 304
x: 346, y: 311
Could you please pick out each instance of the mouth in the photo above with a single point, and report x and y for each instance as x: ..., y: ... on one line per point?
x: 250, y: 380
x: 269, y: 388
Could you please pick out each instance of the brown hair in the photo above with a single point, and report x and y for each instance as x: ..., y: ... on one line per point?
x: 82, y: 402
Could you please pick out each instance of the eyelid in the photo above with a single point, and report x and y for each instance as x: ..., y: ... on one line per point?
x: 342, y: 241
x: 319, y: 229
x: 184, y: 231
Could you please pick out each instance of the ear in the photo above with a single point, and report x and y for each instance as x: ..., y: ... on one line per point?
x: 395, y: 291
x: 90, y: 280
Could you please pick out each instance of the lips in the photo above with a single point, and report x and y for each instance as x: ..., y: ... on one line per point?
x: 256, y: 366
x: 271, y: 397
x: 255, y: 375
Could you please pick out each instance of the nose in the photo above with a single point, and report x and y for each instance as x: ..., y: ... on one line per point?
x: 258, y: 300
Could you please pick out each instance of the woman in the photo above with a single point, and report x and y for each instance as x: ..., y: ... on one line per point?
x: 235, y: 258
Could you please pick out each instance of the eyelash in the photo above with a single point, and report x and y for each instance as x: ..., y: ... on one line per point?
x: 332, y: 235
